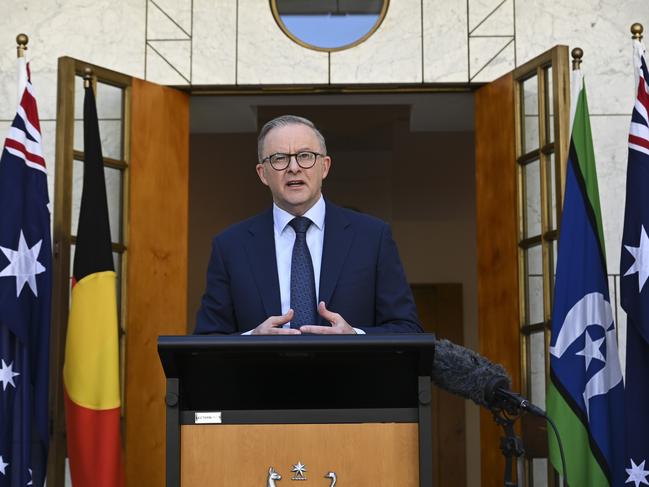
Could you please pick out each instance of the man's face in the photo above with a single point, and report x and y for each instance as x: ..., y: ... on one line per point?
x: 294, y: 189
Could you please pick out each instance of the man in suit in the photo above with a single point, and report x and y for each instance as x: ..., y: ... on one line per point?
x: 305, y: 265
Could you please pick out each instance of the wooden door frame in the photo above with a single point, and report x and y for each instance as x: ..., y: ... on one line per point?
x: 501, y: 294
x: 68, y: 69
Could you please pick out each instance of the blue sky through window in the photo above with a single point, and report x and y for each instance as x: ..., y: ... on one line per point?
x: 329, y: 31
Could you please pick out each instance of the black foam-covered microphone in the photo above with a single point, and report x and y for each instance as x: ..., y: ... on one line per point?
x: 499, y: 396
x: 461, y: 371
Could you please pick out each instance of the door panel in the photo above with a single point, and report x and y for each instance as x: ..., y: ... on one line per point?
x: 496, y: 215
x: 157, y: 266
x: 439, y: 307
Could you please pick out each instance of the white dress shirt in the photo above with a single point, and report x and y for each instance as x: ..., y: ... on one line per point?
x: 284, y: 241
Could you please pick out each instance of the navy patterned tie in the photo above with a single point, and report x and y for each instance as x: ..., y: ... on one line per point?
x: 303, y: 300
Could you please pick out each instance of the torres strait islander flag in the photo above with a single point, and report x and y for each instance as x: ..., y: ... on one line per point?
x: 91, y: 370
x: 585, y: 394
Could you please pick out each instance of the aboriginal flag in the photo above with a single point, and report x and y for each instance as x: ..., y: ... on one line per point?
x: 91, y: 370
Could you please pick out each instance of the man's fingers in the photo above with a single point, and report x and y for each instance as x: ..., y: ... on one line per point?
x: 330, y: 316
x: 284, y: 331
x: 318, y: 330
x: 273, y: 325
x: 281, y: 320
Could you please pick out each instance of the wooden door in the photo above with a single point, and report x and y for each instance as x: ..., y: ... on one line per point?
x: 149, y: 156
x: 521, y: 140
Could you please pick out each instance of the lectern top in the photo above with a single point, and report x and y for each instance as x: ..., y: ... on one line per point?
x: 234, y: 372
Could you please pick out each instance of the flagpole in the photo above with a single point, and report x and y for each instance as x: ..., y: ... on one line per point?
x: 21, y: 40
x: 87, y: 77
x: 575, y: 82
x: 577, y: 53
x: 637, y: 29
x: 636, y: 34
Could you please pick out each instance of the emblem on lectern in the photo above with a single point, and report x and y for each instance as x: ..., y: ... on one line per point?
x: 272, y: 477
x: 299, y: 470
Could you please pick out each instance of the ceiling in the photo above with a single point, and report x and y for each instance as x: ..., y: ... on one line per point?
x: 424, y: 112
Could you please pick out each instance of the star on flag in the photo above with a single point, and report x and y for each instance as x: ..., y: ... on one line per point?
x: 3, y: 466
x: 641, y: 256
x: 7, y: 375
x: 591, y: 350
x: 637, y: 474
x: 23, y: 264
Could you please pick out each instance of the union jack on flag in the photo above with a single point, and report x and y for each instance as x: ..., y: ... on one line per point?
x: 634, y: 271
x: 25, y: 298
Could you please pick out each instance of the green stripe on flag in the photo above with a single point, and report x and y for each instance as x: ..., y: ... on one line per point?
x: 583, y: 468
x: 583, y: 142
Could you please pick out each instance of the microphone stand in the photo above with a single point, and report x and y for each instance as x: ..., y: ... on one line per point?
x: 510, y: 444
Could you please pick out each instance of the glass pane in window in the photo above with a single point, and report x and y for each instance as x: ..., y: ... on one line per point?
x: 110, y: 133
x: 530, y: 110
x: 534, y: 277
x: 77, y: 140
x: 328, y: 25
x: 555, y: 259
x: 532, y: 203
x: 78, y: 133
x: 552, y: 255
x: 540, y: 471
x: 78, y: 97
x: 72, y: 251
x: 552, y: 191
x: 117, y: 263
x: 114, y: 196
x: 537, y: 368
x: 549, y: 106
x: 109, y: 102
x: 77, y: 185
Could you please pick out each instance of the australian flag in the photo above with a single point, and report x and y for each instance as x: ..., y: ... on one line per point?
x: 634, y: 271
x: 25, y: 299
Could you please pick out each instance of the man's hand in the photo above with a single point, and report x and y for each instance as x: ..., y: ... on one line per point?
x: 273, y: 326
x: 338, y: 324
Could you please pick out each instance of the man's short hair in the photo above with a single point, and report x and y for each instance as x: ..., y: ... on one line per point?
x: 283, y: 121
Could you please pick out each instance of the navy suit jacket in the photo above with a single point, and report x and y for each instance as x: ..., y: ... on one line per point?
x: 361, y: 276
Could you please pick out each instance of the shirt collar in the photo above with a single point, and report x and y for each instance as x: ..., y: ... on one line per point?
x: 316, y: 214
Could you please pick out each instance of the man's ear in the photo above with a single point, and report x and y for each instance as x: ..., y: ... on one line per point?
x: 261, y: 173
x: 326, y: 164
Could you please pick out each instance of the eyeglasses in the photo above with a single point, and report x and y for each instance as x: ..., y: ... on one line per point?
x: 280, y: 161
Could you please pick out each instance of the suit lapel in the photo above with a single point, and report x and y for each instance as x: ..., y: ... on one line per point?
x: 338, y: 238
x: 261, y: 253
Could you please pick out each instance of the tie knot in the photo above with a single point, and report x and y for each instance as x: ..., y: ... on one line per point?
x: 300, y: 224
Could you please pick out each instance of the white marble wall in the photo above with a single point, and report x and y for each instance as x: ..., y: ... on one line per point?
x: 237, y: 42
x: 103, y: 32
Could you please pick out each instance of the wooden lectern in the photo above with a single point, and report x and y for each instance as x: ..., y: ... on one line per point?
x: 249, y: 411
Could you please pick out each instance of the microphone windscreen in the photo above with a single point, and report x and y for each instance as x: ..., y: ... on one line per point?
x: 462, y: 371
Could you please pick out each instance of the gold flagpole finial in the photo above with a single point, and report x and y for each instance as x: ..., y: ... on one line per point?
x: 87, y: 77
x: 22, y: 40
x: 577, y: 54
x: 637, y: 30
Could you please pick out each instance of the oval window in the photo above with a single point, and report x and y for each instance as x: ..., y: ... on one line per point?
x: 329, y: 25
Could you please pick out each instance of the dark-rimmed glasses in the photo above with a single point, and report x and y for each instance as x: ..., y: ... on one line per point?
x: 280, y: 161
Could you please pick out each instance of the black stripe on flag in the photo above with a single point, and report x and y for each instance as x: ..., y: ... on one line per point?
x: 93, y: 251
